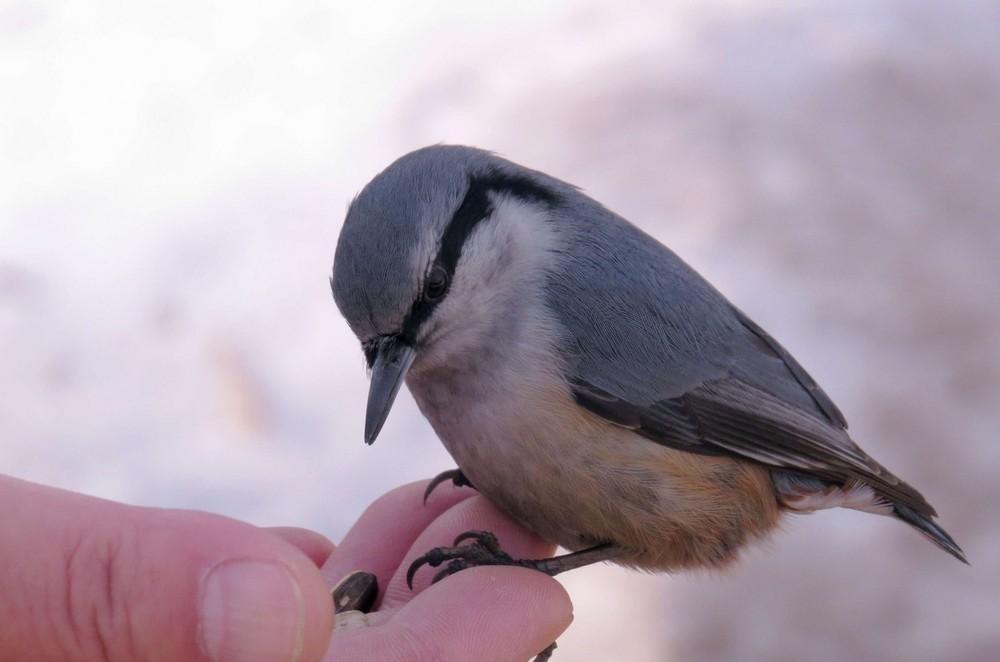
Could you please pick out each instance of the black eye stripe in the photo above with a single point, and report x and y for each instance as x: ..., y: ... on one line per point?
x: 475, y: 207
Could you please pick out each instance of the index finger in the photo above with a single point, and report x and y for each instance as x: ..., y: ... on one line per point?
x: 383, y: 534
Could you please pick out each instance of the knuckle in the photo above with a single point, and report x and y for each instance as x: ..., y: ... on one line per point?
x: 95, y: 615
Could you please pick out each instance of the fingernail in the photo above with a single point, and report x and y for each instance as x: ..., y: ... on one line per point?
x: 251, y: 610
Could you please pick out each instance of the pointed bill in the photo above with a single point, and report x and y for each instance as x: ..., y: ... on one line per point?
x: 392, y: 361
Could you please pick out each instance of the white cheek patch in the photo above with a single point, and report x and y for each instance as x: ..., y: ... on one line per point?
x: 515, y: 243
x: 500, y: 273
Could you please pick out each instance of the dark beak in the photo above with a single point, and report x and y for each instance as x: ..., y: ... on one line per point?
x: 392, y: 359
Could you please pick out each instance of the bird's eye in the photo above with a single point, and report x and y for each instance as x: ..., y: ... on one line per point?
x: 436, y: 284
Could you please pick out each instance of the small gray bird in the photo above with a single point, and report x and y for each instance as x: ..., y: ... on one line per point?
x: 584, y: 378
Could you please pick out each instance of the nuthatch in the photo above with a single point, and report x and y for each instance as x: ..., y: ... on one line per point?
x: 584, y: 378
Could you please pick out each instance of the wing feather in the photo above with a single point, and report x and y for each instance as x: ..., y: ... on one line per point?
x: 648, y: 344
x: 730, y: 417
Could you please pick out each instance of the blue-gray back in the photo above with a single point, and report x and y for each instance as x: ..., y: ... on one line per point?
x: 647, y: 326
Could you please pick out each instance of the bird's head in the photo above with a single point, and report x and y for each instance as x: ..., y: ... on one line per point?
x: 434, y: 257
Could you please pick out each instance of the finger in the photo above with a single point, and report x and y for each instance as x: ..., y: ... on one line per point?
x: 474, y: 513
x: 490, y: 613
x: 314, y: 545
x: 84, y: 578
x: 384, y: 532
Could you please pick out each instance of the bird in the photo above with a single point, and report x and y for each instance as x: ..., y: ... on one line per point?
x: 585, y: 379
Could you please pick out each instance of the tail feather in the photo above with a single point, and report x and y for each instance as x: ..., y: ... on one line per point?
x: 926, y: 526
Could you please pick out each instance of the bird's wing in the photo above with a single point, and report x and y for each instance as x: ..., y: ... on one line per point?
x: 648, y: 344
x: 730, y: 417
x: 771, y: 346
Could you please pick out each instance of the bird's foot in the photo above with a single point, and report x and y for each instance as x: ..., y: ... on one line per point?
x: 483, y: 550
x: 456, y: 477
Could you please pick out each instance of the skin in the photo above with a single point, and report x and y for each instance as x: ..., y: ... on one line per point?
x: 468, y: 617
x: 88, y: 579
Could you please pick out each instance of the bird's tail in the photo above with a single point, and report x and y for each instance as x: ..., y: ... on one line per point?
x: 804, y: 493
x: 926, y: 526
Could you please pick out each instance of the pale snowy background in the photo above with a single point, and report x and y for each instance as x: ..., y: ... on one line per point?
x: 173, y: 177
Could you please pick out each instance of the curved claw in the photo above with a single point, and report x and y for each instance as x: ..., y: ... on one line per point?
x: 437, y: 480
x: 456, y: 477
x: 412, y: 570
x: 426, y: 559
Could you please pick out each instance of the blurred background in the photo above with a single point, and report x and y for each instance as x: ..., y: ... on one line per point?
x: 173, y: 176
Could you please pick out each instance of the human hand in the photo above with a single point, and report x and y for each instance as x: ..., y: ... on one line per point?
x: 88, y: 579
x: 488, y: 613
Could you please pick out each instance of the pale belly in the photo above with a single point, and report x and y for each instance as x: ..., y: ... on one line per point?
x: 577, y: 480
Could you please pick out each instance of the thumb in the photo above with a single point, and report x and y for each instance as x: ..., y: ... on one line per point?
x: 87, y: 579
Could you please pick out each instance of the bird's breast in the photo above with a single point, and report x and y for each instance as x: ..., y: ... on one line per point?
x: 578, y: 480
